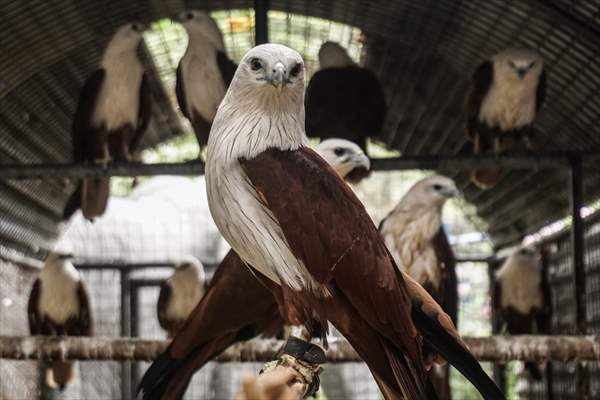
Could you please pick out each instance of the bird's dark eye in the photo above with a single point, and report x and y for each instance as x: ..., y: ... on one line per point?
x: 189, y: 15
x: 255, y: 64
x: 512, y: 64
x: 339, y: 151
x: 532, y: 64
x: 437, y: 187
x: 296, y: 70
x: 135, y: 27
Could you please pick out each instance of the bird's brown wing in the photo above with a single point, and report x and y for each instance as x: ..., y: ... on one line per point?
x: 33, y: 314
x: 541, y: 91
x: 82, y: 131
x: 180, y: 93
x: 449, y: 286
x: 227, y: 68
x: 164, y: 297
x: 478, y: 86
x: 328, y: 228
x: 144, y: 113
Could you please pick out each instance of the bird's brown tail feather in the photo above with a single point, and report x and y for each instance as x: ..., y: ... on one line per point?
x: 94, y: 196
x: 59, y: 374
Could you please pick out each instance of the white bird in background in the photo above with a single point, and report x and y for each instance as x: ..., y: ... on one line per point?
x: 410, y: 228
x: 346, y: 157
x: 503, y: 99
x: 180, y: 294
x: 519, y: 297
x: 59, y: 304
x: 412, y: 232
x: 204, y: 72
x: 113, y: 113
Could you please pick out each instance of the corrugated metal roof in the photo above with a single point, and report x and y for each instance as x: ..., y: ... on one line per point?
x: 423, y: 51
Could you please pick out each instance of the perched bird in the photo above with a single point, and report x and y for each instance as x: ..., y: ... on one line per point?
x: 59, y: 304
x: 113, y: 113
x: 346, y: 157
x: 204, y: 72
x: 416, y: 240
x: 344, y: 100
x: 180, y: 294
x: 503, y: 99
x: 218, y: 321
x: 519, y: 297
x: 292, y: 219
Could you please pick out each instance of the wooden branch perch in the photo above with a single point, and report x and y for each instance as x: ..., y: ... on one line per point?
x: 495, y: 348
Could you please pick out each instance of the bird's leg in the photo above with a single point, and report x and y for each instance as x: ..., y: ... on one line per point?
x: 125, y: 151
x: 105, y: 159
x: 477, y: 144
x: 497, y: 146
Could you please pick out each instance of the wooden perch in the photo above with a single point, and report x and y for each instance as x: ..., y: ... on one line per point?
x: 495, y: 348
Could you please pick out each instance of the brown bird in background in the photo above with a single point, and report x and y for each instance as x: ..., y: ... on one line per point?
x: 344, y: 100
x: 113, y: 112
x: 59, y: 305
x: 413, y: 233
x: 503, y: 99
x: 180, y: 294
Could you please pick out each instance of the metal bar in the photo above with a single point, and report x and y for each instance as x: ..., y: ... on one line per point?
x: 134, y: 319
x: 499, y: 370
x: 32, y: 171
x: 460, y: 162
x: 577, y: 249
x: 500, y: 348
x: 261, y: 21
x: 126, y: 386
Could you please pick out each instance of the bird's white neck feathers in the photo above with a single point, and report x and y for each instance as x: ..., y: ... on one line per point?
x: 520, y: 279
x: 250, y: 121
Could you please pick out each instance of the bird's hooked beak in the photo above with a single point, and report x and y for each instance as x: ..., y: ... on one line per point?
x: 521, y: 72
x: 139, y: 27
x: 278, y: 75
x: 67, y: 256
x: 450, y: 192
x: 360, y: 160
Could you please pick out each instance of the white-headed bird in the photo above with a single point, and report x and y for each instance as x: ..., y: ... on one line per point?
x: 113, y: 113
x: 413, y: 233
x: 59, y: 305
x: 180, y: 294
x: 204, y: 72
x: 290, y: 217
x: 519, y: 297
x: 503, y: 99
x: 344, y: 100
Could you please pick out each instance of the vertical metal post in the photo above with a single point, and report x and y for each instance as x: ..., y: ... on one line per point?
x: 134, y: 331
x: 546, y: 327
x: 125, y: 331
x: 261, y: 22
x: 577, y: 252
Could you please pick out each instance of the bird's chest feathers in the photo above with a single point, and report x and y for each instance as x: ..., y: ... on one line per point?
x: 58, y: 299
x: 408, y: 235
x: 119, y: 96
x: 203, y: 84
x: 521, y: 288
x: 509, y: 105
x: 187, y: 290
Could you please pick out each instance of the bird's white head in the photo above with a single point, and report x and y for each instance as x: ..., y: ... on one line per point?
x: 344, y: 156
x: 190, y: 264
x: 199, y: 24
x: 332, y: 55
x: 527, y: 255
x: 269, y: 77
x: 432, y: 191
x: 126, y: 39
x: 518, y: 64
